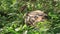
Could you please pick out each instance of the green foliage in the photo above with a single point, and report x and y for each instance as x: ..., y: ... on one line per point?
x: 12, y: 21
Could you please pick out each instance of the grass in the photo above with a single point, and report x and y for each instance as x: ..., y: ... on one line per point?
x: 12, y: 21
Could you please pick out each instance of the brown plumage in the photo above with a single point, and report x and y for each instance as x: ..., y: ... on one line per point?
x: 34, y: 17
